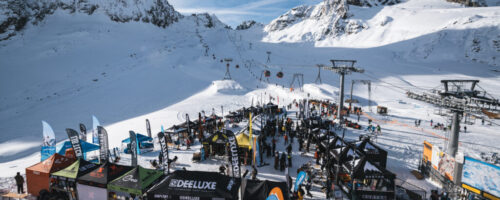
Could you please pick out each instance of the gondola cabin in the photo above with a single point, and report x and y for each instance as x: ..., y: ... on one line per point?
x: 382, y: 110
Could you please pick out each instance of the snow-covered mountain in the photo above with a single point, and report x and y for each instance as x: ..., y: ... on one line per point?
x: 15, y: 14
x: 427, y: 25
x: 75, y: 60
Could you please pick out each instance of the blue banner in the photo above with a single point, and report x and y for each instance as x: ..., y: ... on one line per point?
x: 257, y: 153
x: 47, y: 151
x: 482, y: 176
x: 300, y: 178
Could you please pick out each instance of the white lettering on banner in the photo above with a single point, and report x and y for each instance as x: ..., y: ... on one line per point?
x: 234, y: 154
x: 204, y: 185
x: 129, y: 178
x: 75, y: 140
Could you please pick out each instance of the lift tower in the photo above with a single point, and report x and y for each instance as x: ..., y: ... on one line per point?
x: 343, y: 67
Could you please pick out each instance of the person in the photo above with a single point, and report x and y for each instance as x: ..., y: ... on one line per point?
x: 369, y: 121
x: 300, y: 143
x: 308, y: 184
x: 300, y: 193
x: 286, y: 138
x: 282, y: 162
x: 254, y: 173
x: 274, y: 145
x: 379, y: 130
x: 222, y: 170
x: 431, y: 122
x: 482, y: 121
x: 276, y: 160
x: 465, y: 129
x: 289, y: 149
x: 20, y: 183
x: 202, y: 152
x: 289, y: 159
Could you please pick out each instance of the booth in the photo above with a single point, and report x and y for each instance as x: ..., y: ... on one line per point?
x: 135, y: 182
x: 65, y: 179
x: 90, y: 150
x: 38, y: 175
x: 373, y: 152
x: 254, y: 189
x: 195, y: 185
x: 216, y: 144
x: 145, y: 144
x: 93, y: 185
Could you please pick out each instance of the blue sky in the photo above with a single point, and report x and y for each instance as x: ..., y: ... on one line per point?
x: 233, y: 12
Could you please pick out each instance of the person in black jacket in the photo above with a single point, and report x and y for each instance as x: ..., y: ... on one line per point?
x: 20, y: 183
x: 276, y: 160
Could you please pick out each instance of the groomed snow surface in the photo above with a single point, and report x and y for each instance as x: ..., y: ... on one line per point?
x: 72, y: 66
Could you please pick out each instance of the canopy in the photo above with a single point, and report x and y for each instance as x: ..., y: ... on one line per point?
x: 38, y: 175
x: 195, y: 184
x: 373, y: 152
x: 218, y: 138
x: 135, y: 181
x: 86, y: 147
x: 140, y: 138
x: 79, y: 168
x: 264, y: 189
x: 104, y: 174
x: 243, y: 140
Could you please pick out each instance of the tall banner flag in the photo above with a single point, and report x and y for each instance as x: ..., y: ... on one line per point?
x: 200, y: 137
x: 148, y: 128
x: 250, y: 130
x: 83, y: 132
x: 103, y: 140
x: 75, y: 142
x: 256, y: 152
x: 300, y: 178
x: 49, y: 141
x: 187, y: 123
x: 95, y: 124
x: 234, y: 160
x: 133, y: 148
x: 164, y: 151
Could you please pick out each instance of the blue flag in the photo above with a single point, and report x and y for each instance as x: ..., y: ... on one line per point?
x: 300, y: 178
x: 47, y: 151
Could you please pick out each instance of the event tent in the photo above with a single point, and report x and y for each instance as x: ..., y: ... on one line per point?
x: 93, y: 184
x: 195, y: 185
x: 136, y: 181
x: 86, y: 147
x: 263, y: 189
x: 38, y: 175
x: 79, y: 168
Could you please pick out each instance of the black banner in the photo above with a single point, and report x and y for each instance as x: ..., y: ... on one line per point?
x: 103, y: 140
x: 164, y: 151
x: 74, y: 138
x: 133, y: 148
x: 83, y: 132
x: 148, y: 127
x: 233, y: 158
x: 188, y: 127
x: 195, y: 185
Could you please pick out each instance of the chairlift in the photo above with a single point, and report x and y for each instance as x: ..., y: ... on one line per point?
x: 237, y: 66
x: 279, y: 74
x: 267, y: 73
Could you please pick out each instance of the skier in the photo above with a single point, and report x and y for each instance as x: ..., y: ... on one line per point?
x: 379, y: 130
x: 19, y: 182
x: 465, y: 129
x: 431, y: 122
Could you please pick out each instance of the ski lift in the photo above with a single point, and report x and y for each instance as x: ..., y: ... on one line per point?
x: 279, y: 74
x: 237, y: 66
x: 221, y: 60
x: 227, y: 65
x: 267, y: 73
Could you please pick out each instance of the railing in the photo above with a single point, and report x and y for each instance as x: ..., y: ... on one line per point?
x: 413, y: 192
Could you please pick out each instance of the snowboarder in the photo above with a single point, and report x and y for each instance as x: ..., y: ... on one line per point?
x: 20, y: 183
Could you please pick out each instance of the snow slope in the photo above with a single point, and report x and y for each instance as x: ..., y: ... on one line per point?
x: 71, y: 66
x: 473, y: 32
